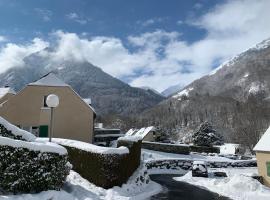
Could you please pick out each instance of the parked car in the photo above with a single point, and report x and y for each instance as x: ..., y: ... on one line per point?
x: 199, y: 169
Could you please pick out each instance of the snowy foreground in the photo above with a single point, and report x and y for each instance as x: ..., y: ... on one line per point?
x: 78, y: 188
x: 238, y: 185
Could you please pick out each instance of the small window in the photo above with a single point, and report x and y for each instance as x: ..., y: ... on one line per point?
x: 44, y: 101
x: 268, y: 168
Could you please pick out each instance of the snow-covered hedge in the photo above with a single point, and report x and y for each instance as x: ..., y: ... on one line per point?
x: 105, y: 167
x: 29, y: 166
x: 11, y: 131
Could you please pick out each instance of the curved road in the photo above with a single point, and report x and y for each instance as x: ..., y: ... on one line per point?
x: 180, y: 190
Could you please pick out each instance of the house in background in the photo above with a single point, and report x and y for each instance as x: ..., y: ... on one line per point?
x: 6, y: 93
x: 262, y: 150
x: 149, y: 134
x: 106, y: 136
x: 73, y: 118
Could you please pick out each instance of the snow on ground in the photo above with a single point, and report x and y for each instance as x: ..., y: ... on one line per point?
x: 148, y: 155
x: 238, y: 185
x: 78, y: 188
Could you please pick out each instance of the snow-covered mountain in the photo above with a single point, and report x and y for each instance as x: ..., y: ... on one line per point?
x: 172, y: 90
x: 108, y: 94
x: 245, y: 74
x: 233, y: 97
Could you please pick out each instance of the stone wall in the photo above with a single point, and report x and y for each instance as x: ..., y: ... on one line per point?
x: 187, y: 164
x: 178, y: 148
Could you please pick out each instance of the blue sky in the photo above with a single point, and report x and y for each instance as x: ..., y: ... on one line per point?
x: 119, y: 18
x: 153, y: 43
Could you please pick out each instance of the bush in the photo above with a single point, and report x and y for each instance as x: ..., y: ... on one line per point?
x: 30, y: 167
x: 24, y: 171
x: 206, y: 136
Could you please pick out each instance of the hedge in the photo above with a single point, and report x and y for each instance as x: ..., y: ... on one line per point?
x: 39, y: 167
x: 106, y: 170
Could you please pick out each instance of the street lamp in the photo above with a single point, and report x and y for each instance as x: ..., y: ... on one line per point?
x: 52, y: 101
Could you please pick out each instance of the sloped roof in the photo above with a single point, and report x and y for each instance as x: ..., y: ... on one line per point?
x: 6, y: 90
x: 131, y: 132
x: 49, y: 79
x: 141, y: 132
x: 264, y: 142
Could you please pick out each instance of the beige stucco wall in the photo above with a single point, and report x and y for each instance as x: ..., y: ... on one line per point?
x: 73, y: 118
x: 262, y: 158
x: 6, y: 97
x: 149, y: 137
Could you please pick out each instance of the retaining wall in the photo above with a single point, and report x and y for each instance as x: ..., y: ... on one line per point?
x: 187, y: 164
x: 178, y: 148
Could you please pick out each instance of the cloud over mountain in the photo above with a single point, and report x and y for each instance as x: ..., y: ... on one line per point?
x: 147, y: 58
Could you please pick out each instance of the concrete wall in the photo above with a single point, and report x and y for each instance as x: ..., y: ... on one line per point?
x: 73, y: 118
x: 262, y: 159
x: 149, y: 137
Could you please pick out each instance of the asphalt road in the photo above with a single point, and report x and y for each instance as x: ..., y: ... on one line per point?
x: 175, y: 190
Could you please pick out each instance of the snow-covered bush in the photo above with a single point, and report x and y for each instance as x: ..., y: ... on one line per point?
x: 104, y: 166
x: 11, y: 131
x: 29, y: 166
x: 206, y: 136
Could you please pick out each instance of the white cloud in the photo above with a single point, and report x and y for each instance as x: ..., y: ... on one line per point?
x: 3, y: 38
x: 12, y: 55
x: 160, y: 59
x: 180, y: 22
x: 76, y: 18
x: 44, y: 14
x: 151, y: 21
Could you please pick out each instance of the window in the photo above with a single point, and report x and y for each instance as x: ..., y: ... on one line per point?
x: 44, y: 101
x: 268, y: 168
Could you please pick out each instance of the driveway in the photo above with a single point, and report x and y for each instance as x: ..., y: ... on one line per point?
x: 180, y: 190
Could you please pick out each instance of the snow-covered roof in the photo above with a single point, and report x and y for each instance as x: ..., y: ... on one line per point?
x: 140, y: 132
x: 264, y: 142
x: 88, y: 101
x: 49, y: 80
x: 130, y: 132
x: 132, y: 138
x: 6, y: 90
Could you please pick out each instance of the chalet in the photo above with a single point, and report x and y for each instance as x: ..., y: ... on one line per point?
x: 149, y: 134
x: 73, y: 118
x: 262, y: 150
